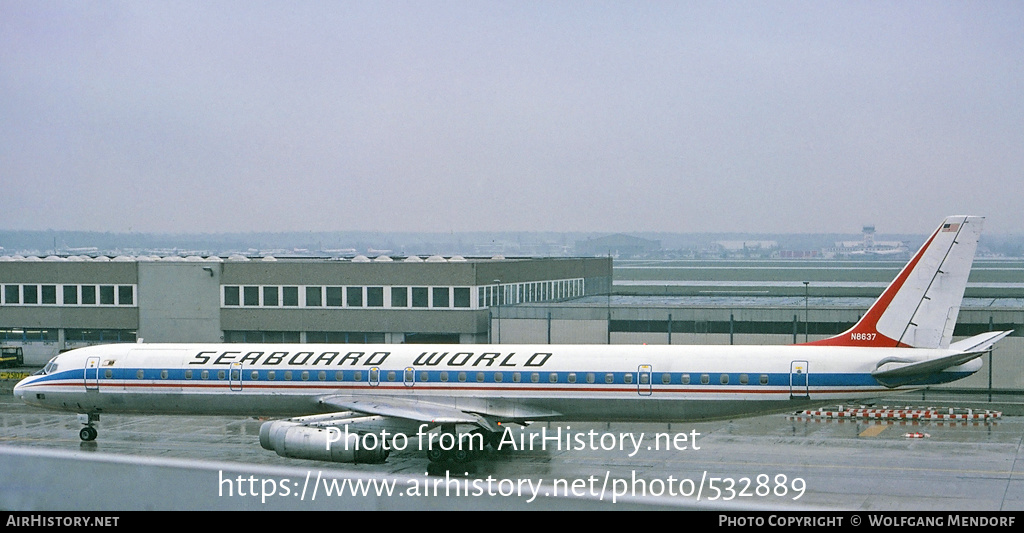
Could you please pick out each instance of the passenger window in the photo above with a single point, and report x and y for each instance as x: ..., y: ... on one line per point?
x: 391, y: 375
x: 220, y: 374
x: 287, y: 375
x: 705, y: 379
x: 322, y: 376
x: 444, y: 376
x: 572, y: 377
x: 205, y: 374
x: 666, y: 378
x: 685, y: 380
x: 139, y: 374
x: 462, y: 377
x: 517, y: 377
x: 590, y: 377
x: 744, y: 379
x: 724, y: 379
x: 609, y: 378
x: 188, y: 374
x: 498, y: 377
x: 535, y: 377
x: 357, y: 375
x: 764, y: 379
x: 271, y: 375
x: 254, y: 375
x: 480, y: 377
x: 628, y: 378
x: 553, y: 377
x: 424, y: 376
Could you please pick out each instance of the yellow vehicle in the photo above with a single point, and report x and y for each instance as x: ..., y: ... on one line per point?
x: 11, y: 356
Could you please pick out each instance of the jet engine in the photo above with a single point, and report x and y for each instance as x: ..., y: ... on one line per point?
x: 318, y: 443
x: 341, y: 438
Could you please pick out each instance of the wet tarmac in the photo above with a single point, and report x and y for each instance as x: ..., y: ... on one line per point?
x: 769, y: 462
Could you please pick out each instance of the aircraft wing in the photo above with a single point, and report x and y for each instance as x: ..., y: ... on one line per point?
x: 434, y: 412
x: 401, y: 408
x: 893, y: 371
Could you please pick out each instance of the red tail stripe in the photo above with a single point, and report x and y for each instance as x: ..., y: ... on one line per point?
x: 868, y: 324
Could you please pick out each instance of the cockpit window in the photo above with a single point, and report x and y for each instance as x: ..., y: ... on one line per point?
x: 50, y: 367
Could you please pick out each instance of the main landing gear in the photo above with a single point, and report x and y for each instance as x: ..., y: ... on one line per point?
x: 451, y: 447
x: 88, y: 433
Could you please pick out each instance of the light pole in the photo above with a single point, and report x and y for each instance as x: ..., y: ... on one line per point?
x: 806, y: 283
x: 497, y: 314
x: 609, y: 289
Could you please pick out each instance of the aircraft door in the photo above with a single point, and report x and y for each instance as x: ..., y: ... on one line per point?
x: 235, y: 376
x: 374, y: 377
x: 409, y: 376
x: 643, y: 381
x: 799, y: 378
x: 92, y: 373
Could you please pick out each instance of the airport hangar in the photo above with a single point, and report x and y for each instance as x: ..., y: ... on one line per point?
x: 57, y: 303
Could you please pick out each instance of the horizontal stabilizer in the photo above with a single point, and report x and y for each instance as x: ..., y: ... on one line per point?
x: 979, y: 343
x: 894, y: 371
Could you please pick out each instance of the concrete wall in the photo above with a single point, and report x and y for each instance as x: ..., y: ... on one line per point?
x: 363, y: 320
x: 179, y: 302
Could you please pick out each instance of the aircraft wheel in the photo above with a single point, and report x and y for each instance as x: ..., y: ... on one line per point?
x: 493, y: 438
x: 88, y: 433
x: 436, y: 455
x: 462, y: 454
x: 472, y: 447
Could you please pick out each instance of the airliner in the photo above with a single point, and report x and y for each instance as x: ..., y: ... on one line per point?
x: 903, y: 342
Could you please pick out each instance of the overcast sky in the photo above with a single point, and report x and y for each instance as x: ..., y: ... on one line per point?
x: 209, y: 116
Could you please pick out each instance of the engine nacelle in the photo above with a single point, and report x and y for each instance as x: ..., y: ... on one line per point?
x: 271, y: 432
x: 296, y: 440
x: 290, y: 439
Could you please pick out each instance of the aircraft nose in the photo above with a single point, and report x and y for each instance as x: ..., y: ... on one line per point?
x: 19, y: 389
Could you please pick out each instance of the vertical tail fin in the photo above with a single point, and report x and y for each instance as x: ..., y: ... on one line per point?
x: 919, y: 308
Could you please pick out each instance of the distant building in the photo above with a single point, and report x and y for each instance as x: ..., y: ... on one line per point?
x: 797, y: 254
x: 618, y: 245
x: 867, y: 247
x: 737, y: 246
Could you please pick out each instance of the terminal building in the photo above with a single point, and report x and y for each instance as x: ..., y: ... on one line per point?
x: 57, y: 303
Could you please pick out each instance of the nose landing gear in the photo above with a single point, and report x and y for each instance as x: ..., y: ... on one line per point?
x: 88, y: 433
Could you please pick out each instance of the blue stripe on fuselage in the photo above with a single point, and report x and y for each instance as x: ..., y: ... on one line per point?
x: 455, y: 377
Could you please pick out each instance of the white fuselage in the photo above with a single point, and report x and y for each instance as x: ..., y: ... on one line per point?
x: 505, y: 382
